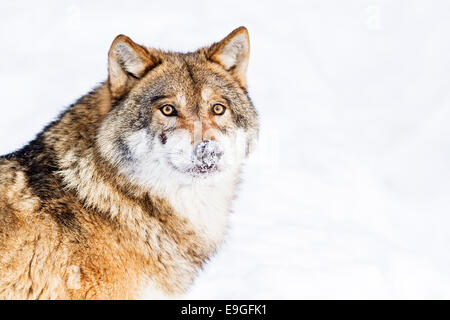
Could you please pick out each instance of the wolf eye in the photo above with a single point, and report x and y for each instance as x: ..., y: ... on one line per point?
x: 168, y: 110
x: 218, y: 109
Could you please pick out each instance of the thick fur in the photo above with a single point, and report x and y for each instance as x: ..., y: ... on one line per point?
x: 106, y: 202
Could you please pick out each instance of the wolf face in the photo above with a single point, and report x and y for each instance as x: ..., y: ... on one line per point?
x: 178, y: 118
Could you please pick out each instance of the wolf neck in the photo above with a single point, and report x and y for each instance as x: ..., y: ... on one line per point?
x: 98, y: 185
x: 205, y: 205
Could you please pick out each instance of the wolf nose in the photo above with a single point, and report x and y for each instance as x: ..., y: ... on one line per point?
x: 208, y: 153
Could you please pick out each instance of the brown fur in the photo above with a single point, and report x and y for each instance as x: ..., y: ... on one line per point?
x: 71, y: 225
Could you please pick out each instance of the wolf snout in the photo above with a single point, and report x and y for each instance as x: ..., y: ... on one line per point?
x: 207, y: 154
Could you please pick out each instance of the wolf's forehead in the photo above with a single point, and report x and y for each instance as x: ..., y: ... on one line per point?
x: 185, y: 86
x: 203, y: 95
x: 197, y: 74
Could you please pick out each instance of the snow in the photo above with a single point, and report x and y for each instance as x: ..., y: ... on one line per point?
x: 347, y: 195
x: 207, y: 155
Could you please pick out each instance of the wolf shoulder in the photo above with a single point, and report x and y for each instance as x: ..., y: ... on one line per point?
x: 15, y: 196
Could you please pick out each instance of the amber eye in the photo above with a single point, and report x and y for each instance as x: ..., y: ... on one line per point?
x: 168, y: 110
x: 218, y: 109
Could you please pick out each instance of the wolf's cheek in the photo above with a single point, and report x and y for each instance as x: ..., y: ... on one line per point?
x: 139, y: 143
x: 177, y: 149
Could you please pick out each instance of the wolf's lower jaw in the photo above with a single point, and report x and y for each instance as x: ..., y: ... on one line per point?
x: 194, y: 171
x: 199, y: 172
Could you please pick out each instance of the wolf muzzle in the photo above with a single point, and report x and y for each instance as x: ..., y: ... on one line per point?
x: 206, y: 155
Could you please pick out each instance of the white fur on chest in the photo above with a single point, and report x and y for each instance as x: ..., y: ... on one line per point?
x: 206, y: 207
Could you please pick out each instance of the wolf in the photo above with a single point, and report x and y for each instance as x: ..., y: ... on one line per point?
x: 127, y: 194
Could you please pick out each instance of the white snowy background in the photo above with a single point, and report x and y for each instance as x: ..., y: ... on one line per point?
x: 348, y: 195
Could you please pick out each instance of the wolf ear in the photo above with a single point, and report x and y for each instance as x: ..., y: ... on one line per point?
x: 232, y: 54
x: 127, y: 62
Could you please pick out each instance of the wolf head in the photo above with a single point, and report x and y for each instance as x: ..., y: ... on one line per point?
x: 175, y: 117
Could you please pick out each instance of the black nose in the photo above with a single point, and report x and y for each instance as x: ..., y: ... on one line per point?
x: 207, y: 154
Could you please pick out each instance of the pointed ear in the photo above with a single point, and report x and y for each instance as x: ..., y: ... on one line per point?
x: 232, y: 54
x: 127, y: 62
